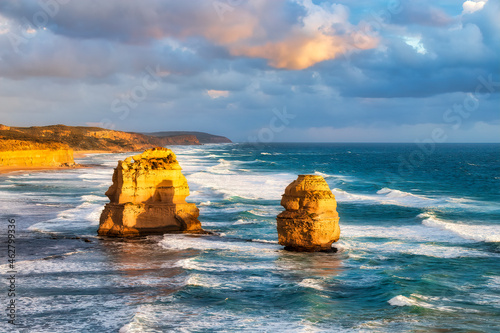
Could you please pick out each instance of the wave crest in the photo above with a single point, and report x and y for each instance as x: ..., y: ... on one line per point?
x: 478, y: 233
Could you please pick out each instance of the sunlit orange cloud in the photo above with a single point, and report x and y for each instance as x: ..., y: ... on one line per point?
x: 304, y: 44
x: 300, y: 52
x: 254, y: 30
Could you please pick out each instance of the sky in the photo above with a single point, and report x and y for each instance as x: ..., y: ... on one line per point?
x: 256, y: 70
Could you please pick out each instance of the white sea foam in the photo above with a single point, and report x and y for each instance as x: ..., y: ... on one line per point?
x: 204, y: 280
x: 192, y: 264
x: 37, y: 308
x: 194, y: 318
x: 390, y: 193
x: 387, y: 196
x: 437, y: 251
x: 488, y: 299
x: 236, y: 207
x: 417, y: 233
x: 361, y: 248
x: 428, y: 302
x: 475, y: 232
x: 328, y: 177
x: 340, y: 246
x: 84, y: 215
x: 264, y: 241
x: 93, y: 198
x: 494, y: 282
x: 401, y: 300
x: 249, y: 185
x: 224, y: 167
x: 143, y: 321
x: 242, y: 221
x: 267, y: 211
x: 45, y: 174
x: 312, y: 283
x: 97, y: 176
x: 205, y: 243
x: 48, y: 266
x: 370, y: 267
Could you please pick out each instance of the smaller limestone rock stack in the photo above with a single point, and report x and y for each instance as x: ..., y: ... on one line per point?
x: 310, y: 221
x: 148, y: 196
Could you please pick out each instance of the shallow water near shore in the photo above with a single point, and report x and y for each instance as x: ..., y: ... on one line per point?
x: 419, y: 248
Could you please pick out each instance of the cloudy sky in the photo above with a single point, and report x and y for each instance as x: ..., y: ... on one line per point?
x: 280, y: 70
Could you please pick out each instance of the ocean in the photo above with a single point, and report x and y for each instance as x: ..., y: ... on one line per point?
x: 419, y: 249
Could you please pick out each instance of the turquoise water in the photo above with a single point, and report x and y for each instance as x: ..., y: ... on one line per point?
x: 419, y: 247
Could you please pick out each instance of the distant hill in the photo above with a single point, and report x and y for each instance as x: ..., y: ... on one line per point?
x: 86, y: 138
x: 202, y: 137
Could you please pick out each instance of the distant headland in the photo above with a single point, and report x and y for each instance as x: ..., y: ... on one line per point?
x: 53, y: 146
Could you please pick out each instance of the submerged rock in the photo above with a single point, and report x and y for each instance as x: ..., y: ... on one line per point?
x: 310, y: 221
x: 148, y: 196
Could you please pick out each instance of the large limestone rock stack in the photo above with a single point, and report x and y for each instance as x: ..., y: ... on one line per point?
x: 310, y: 221
x: 148, y: 196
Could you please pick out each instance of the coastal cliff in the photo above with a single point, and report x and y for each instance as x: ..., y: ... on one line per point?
x: 32, y: 154
x: 40, y: 146
x: 93, y: 138
x: 310, y: 221
x: 148, y: 196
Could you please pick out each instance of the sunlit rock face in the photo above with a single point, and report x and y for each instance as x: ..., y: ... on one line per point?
x: 310, y: 221
x: 148, y: 196
x: 23, y: 153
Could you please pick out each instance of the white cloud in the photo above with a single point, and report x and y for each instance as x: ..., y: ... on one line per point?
x: 416, y: 43
x: 473, y: 6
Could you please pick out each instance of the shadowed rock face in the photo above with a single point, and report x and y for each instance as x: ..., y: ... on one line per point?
x: 310, y: 221
x: 148, y: 196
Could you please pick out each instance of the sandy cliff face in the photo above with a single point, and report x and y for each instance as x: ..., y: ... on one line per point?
x: 23, y: 153
x: 148, y: 196
x: 310, y: 220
